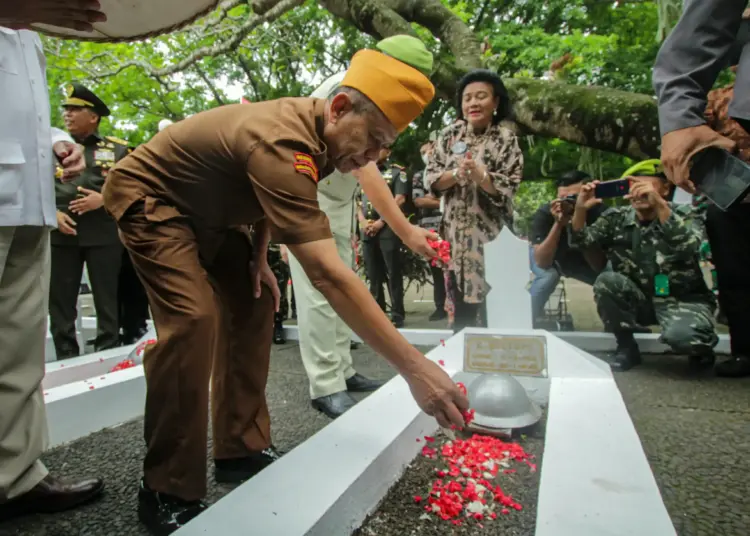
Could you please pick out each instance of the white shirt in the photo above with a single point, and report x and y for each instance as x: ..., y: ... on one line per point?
x: 27, y: 190
x: 336, y: 192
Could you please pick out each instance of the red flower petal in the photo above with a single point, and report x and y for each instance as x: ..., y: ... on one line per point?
x: 429, y: 439
x: 442, y: 363
x: 417, y: 499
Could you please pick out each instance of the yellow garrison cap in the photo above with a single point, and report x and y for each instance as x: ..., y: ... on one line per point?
x: 400, y: 91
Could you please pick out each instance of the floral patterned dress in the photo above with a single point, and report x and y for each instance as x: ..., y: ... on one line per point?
x: 472, y: 217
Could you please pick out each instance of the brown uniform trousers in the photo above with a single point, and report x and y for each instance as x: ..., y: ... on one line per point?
x: 209, y: 325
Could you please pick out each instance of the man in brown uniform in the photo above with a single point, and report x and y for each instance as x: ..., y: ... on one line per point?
x: 181, y: 201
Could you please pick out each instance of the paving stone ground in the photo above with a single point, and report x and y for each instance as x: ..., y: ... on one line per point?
x: 695, y: 432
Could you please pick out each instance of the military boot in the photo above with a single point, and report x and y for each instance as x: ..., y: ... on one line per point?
x: 702, y: 361
x: 278, y: 330
x: 627, y: 354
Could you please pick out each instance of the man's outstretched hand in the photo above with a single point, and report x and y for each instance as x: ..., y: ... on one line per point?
x: 416, y: 241
x: 437, y: 395
x: 75, y: 14
x: 680, y: 146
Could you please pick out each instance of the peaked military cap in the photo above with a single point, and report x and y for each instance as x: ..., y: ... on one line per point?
x: 82, y: 97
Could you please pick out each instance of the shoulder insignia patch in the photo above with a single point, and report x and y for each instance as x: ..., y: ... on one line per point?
x: 305, y: 164
x: 116, y: 140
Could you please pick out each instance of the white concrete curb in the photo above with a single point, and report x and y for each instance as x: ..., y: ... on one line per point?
x: 595, y: 478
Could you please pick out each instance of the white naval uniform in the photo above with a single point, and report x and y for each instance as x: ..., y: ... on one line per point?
x: 324, y: 338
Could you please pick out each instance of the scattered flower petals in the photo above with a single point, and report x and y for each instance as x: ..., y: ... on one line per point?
x: 442, y: 363
x: 464, y: 491
x: 443, y: 249
x: 91, y: 387
x: 462, y: 388
x: 124, y: 364
x: 468, y: 416
x: 442, y: 342
x: 418, y: 440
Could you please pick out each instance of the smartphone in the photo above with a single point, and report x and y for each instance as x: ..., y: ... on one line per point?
x: 610, y: 189
x: 721, y: 176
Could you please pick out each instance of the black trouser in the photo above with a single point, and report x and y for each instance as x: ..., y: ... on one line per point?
x: 729, y: 237
x: 103, y: 263
x: 383, y: 264
x: 133, y: 301
x: 438, y: 287
x: 466, y: 315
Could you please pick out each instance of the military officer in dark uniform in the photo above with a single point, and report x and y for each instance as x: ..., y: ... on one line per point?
x: 133, y: 302
x: 381, y: 248
x: 86, y: 233
x: 281, y: 271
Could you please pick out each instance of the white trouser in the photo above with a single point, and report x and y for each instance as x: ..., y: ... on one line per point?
x: 324, y: 338
x: 24, y: 292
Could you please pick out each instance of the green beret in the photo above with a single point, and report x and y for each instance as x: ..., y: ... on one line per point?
x: 409, y: 50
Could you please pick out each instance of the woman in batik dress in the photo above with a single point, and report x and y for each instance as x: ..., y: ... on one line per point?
x: 476, y: 166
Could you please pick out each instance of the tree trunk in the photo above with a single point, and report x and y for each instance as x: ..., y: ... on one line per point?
x: 597, y: 117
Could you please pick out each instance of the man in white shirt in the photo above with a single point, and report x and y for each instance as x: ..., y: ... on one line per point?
x: 324, y: 337
x: 28, y: 147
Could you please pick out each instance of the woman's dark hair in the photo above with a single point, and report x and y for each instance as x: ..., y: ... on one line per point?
x: 503, y: 110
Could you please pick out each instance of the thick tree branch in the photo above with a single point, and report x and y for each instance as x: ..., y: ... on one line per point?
x: 597, y: 117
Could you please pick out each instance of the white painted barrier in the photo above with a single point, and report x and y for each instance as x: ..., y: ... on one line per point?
x: 334, y: 479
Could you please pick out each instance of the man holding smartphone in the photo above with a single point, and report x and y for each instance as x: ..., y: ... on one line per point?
x: 655, y: 277
x: 550, y: 253
x: 711, y: 35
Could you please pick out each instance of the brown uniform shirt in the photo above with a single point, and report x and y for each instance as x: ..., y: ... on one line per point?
x: 232, y: 166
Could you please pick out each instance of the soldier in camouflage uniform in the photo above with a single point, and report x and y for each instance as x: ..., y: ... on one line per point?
x: 281, y: 271
x: 656, y: 277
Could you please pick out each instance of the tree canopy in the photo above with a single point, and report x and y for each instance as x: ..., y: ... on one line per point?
x: 578, y: 71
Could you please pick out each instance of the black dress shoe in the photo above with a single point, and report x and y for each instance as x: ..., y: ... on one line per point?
x: 398, y: 322
x: 353, y: 345
x: 278, y: 333
x: 334, y: 405
x: 438, y: 315
x: 163, y: 514
x: 238, y: 470
x: 625, y: 358
x: 50, y: 496
x: 132, y: 337
x: 734, y: 367
x: 360, y: 384
x: 701, y: 362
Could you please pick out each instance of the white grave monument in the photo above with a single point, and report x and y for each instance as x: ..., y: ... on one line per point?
x: 507, y: 271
